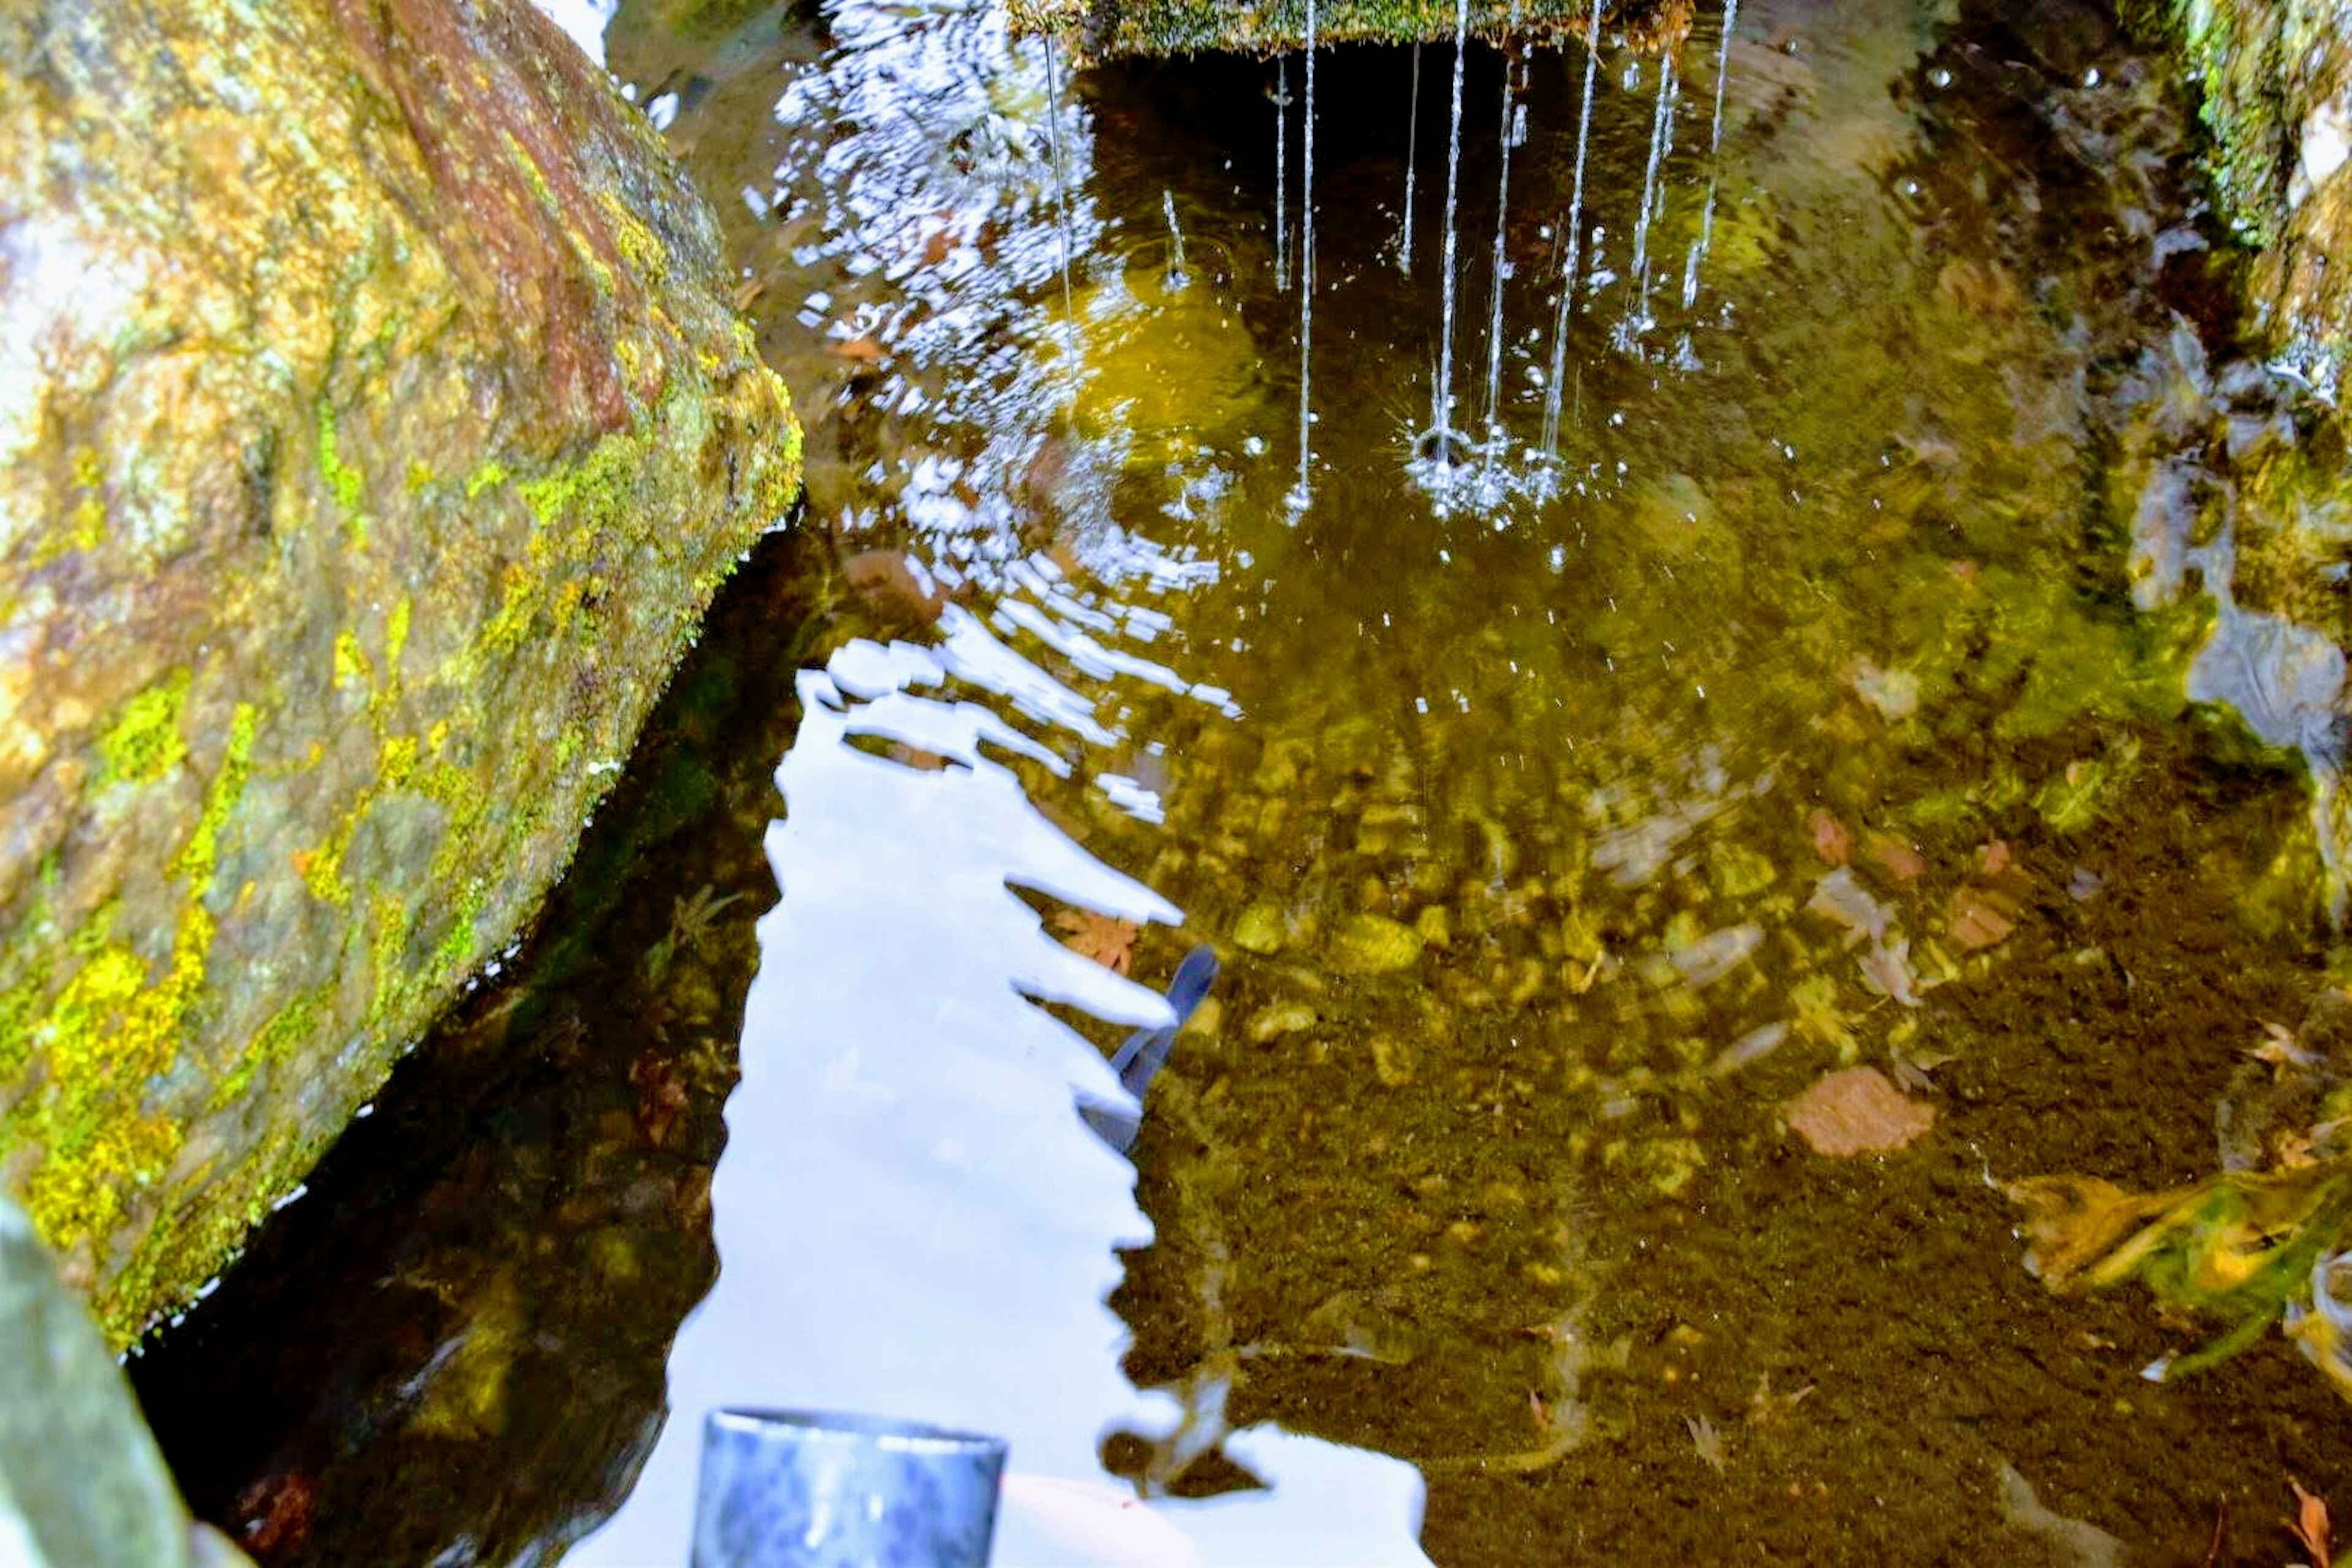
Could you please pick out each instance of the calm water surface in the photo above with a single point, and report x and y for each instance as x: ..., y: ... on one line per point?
x: 1795, y: 680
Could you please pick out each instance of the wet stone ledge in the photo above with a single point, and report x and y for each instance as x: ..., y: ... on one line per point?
x: 1106, y: 29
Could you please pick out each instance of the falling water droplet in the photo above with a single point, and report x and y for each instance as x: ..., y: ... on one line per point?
x: 1177, y: 275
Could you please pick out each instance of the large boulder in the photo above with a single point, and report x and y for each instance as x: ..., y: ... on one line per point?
x: 2275, y: 85
x: 374, y: 428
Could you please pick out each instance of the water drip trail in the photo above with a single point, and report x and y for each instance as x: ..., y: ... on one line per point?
x: 1281, y: 176
x: 1575, y: 241
x: 1177, y: 275
x: 1637, y: 315
x: 1061, y: 205
x: 1713, y: 160
x: 1442, y: 399
x: 1501, y: 264
x: 1411, y: 147
x: 1300, y: 497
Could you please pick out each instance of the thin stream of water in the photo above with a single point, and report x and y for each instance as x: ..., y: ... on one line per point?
x: 1412, y: 155
x: 1713, y: 159
x: 1300, y: 498
x: 1441, y: 406
x: 1501, y: 264
x: 1281, y: 176
x: 1574, y: 238
x: 1636, y: 320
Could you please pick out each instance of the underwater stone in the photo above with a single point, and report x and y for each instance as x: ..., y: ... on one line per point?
x: 1259, y: 930
x: 374, y: 428
x: 1375, y: 944
x: 1271, y: 1022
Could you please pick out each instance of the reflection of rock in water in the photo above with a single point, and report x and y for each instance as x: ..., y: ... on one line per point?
x: 2285, y: 1106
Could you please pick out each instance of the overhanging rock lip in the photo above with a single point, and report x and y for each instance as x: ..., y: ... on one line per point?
x: 1110, y: 29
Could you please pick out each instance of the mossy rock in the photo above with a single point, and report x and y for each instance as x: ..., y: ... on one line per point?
x: 1105, y: 29
x: 2273, y: 79
x: 385, y: 432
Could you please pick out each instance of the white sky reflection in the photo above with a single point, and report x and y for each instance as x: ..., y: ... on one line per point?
x: 911, y: 1219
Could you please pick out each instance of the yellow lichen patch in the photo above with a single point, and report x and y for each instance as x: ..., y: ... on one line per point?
x: 353, y: 670
x: 196, y: 858
x: 144, y: 743
x: 533, y: 175
x: 388, y: 919
x: 190, y: 1240
x: 395, y: 640
x: 638, y: 244
x: 106, y: 1036
x: 343, y: 481
x: 77, y: 1194
x: 490, y: 473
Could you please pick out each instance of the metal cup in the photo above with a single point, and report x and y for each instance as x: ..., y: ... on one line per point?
x: 792, y: 1488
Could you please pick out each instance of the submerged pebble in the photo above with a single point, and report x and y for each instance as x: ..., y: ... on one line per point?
x: 1271, y: 1022
x: 1375, y: 944
x: 1717, y: 954
x: 1259, y: 930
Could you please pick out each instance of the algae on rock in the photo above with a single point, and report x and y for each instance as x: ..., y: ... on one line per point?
x: 373, y: 430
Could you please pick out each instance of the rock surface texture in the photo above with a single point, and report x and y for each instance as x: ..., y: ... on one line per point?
x: 2274, y: 79
x: 373, y: 430
x: 82, y: 1480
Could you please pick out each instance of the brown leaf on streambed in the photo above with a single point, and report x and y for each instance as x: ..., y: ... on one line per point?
x: 1832, y: 842
x: 1108, y: 940
x: 1857, y: 1110
x: 2310, y: 1526
x: 1896, y: 858
x: 1981, y: 917
x: 1983, y: 912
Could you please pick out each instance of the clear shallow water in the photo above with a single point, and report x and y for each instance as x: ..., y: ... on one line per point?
x: 1512, y: 809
